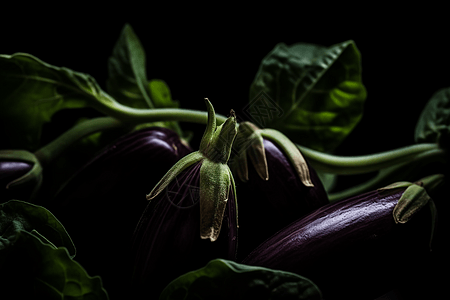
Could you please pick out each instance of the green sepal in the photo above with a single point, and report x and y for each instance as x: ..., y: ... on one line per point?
x: 219, y: 149
x: 249, y: 141
x: 395, y: 185
x: 210, y: 127
x: 175, y: 170
x: 239, y: 166
x: 292, y: 152
x: 32, y: 180
x: 233, y: 186
x: 215, y: 184
x: 414, y: 198
x: 412, y: 201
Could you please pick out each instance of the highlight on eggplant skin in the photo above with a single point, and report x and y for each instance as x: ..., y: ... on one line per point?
x: 101, y: 205
x: 264, y: 207
x: 351, y: 249
x: 9, y: 171
x: 167, y: 243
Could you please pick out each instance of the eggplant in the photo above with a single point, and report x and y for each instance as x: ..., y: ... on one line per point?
x: 167, y: 242
x: 20, y: 175
x: 102, y: 203
x: 10, y: 171
x: 267, y: 206
x: 192, y: 214
x: 357, y: 248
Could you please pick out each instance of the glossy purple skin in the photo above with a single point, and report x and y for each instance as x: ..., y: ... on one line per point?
x: 264, y: 207
x: 342, y: 247
x: 167, y: 239
x: 9, y: 171
x: 101, y: 205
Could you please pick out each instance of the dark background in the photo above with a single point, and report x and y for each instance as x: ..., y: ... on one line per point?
x: 215, y: 53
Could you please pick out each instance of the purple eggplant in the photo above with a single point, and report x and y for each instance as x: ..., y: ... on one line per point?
x: 9, y: 171
x: 358, y: 248
x: 192, y: 214
x: 267, y: 206
x: 102, y: 203
x: 167, y: 241
x: 20, y: 175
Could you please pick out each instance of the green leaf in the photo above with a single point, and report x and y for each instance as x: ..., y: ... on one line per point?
x: 160, y: 93
x: 314, y: 94
x: 223, y: 279
x: 127, y: 77
x: 40, y: 270
x: 33, y: 91
x: 434, y: 122
x: 127, y: 80
x: 18, y: 215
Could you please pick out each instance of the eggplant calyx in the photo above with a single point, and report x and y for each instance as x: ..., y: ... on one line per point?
x: 414, y: 198
x: 217, y: 141
x: 249, y: 141
x: 31, y: 180
x: 292, y: 152
x: 216, y: 180
x: 216, y: 184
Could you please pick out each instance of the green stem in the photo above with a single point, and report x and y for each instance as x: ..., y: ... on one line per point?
x: 127, y: 114
x: 406, y: 171
x: 120, y: 115
x: 348, y: 165
x: 52, y: 150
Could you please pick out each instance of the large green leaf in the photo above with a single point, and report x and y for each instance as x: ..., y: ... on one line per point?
x: 434, y: 123
x: 127, y: 78
x: 36, y: 257
x: 224, y: 279
x: 33, y: 91
x: 313, y: 94
x: 36, y: 269
x: 18, y: 215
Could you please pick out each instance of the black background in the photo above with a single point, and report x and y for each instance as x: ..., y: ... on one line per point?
x: 215, y: 53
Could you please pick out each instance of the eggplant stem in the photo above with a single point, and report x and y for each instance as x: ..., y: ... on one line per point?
x: 401, y: 171
x: 349, y: 165
x: 107, y: 105
x: 53, y: 149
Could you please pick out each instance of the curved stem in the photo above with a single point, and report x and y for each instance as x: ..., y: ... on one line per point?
x: 64, y: 141
x: 120, y: 115
x: 406, y: 171
x: 348, y: 165
x: 127, y: 114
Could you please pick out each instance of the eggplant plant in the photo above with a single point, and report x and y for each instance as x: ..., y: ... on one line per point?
x: 360, y: 247
x: 279, y: 185
x: 192, y: 215
x: 147, y: 207
x: 102, y: 202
